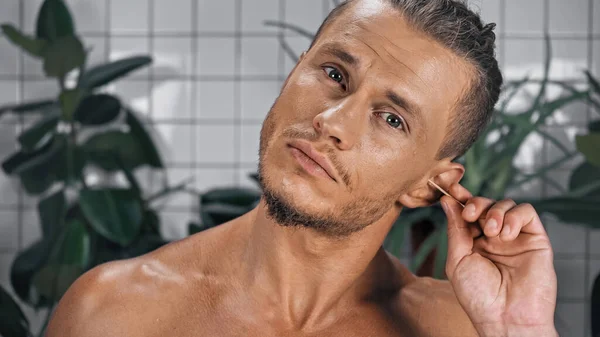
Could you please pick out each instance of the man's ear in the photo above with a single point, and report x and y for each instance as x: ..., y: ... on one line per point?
x: 426, y: 195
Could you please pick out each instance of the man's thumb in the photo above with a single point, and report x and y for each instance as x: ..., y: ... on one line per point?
x: 460, y: 241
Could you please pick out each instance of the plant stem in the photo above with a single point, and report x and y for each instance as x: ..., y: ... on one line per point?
x: 180, y: 187
x: 545, y: 169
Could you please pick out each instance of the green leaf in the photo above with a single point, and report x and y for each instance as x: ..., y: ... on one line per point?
x: 134, y: 148
x: 425, y: 249
x: 147, y: 144
x: 37, y: 180
x: 410, y: 216
x: 54, y: 21
x: 254, y: 177
x: 106, y: 73
x: 547, y: 109
x: 583, y: 175
x: 144, y: 244
x: 31, y: 138
x: 151, y: 223
x: 594, y: 127
x: 24, y: 267
x: 593, y: 82
x: 115, y: 214
x: 35, y: 106
x: 69, y: 102
x: 53, y: 281
x: 589, y: 145
x: 108, y: 148
x: 107, y: 251
x: 98, y: 109
x: 216, y: 213
x: 63, y: 55
x: 31, y: 45
x: 23, y: 161
x: 236, y: 196
x: 52, y: 210
x: 74, y: 246
x: 584, y: 211
x: 13, y: 323
x: 395, y: 239
x: 542, y: 93
x: 194, y: 228
x: 441, y: 253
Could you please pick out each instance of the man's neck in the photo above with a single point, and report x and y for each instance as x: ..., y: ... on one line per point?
x: 307, y: 277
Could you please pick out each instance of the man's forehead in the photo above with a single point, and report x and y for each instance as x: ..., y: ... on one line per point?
x: 419, y: 68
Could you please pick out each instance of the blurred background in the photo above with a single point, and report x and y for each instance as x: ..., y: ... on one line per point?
x: 154, y: 134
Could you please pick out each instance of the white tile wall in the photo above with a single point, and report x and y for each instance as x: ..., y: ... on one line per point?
x: 569, y: 17
x: 216, y: 56
x: 120, y: 16
x: 519, y: 18
x: 216, y: 100
x: 216, y: 16
x: 215, y: 144
x: 10, y: 58
x: 571, y: 278
x: 9, y: 227
x: 570, y: 320
x: 257, y: 97
x: 260, y: 56
x: 171, y: 99
x: 249, y: 142
x: 307, y: 14
x: 255, y: 12
x: 172, y: 16
x: 214, y: 79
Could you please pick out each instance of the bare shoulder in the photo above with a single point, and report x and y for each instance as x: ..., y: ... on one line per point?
x: 431, y: 307
x: 135, y: 297
x: 88, y: 306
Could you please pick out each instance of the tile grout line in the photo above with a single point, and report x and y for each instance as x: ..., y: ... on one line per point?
x: 587, y: 308
x: 237, y: 93
x: 21, y: 98
x: 194, y: 99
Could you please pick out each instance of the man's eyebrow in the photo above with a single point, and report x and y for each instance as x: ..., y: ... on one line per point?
x: 411, y: 108
x: 335, y: 49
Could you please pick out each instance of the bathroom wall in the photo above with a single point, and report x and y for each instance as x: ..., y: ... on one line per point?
x: 218, y: 68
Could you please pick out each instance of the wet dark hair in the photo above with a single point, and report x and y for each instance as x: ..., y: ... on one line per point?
x: 455, y: 26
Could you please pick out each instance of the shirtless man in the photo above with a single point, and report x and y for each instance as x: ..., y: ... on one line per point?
x: 388, y: 94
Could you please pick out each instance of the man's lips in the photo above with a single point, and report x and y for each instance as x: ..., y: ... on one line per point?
x: 309, y: 151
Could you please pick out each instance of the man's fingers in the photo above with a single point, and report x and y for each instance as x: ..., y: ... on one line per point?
x: 460, y: 240
x: 522, y: 218
x: 489, y: 214
x: 459, y: 192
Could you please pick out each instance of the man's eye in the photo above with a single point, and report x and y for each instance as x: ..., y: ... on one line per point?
x: 393, y: 120
x: 334, y: 74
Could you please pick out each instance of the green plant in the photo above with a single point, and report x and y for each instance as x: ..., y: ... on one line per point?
x: 219, y: 205
x: 75, y: 135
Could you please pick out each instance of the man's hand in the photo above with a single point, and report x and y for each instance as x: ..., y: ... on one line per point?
x: 504, y: 280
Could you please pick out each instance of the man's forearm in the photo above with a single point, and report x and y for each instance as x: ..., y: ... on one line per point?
x: 516, y: 331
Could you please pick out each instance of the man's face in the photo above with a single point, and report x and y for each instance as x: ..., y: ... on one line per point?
x: 373, y: 99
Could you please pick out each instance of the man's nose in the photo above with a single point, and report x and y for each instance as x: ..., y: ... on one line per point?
x: 343, y: 124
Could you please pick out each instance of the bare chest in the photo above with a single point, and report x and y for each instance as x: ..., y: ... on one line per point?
x: 229, y: 322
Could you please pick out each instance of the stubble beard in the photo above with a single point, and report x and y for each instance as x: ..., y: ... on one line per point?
x: 352, y: 217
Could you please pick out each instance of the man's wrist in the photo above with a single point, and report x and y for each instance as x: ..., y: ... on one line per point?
x: 498, y: 330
